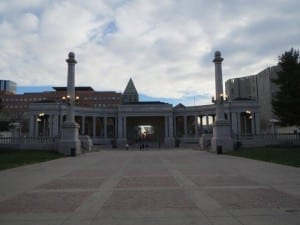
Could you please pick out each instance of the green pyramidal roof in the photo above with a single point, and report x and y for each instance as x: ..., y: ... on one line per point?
x: 130, y: 94
x: 130, y: 88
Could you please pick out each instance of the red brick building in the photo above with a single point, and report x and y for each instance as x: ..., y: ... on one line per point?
x: 88, y: 97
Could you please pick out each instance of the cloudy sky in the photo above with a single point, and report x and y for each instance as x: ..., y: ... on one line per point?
x: 166, y: 46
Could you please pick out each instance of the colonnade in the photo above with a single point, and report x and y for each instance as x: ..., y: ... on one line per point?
x: 94, y: 126
x: 193, y: 125
x: 188, y: 122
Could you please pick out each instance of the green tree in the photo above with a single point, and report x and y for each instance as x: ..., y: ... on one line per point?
x: 286, y: 102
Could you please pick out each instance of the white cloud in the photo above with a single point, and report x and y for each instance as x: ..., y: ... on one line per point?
x: 165, y: 46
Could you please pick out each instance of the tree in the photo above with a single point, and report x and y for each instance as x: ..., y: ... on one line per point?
x: 286, y: 102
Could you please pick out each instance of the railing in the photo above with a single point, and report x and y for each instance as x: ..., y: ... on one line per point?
x: 47, y: 143
x: 267, y: 140
x: 27, y: 140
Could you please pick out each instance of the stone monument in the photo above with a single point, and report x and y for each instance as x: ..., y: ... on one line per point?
x: 69, y: 143
x: 221, y: 140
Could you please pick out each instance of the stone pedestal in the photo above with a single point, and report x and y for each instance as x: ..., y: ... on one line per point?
x: 205, y: 141
x: 169, y: 142
x: 69, y: 143
x: 121, y: 142
x: 221, y: 139
x: 86, y: 143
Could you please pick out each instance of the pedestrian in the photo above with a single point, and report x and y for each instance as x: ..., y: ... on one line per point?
x: 127, y: 146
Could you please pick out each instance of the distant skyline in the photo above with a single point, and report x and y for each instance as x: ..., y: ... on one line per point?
x: 166, y: 46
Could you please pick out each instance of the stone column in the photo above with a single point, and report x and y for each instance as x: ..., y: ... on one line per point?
x: 125, y: 127
x: 253, y: 129
x: 83, y: 125
x: 166, y: 127
x: 221, y: 140
x: 120, y: 126
x: 257, y: 123
x: 36, y: 127
x: 238, y: 116
x: 70, y: 143
x: 185, y: 125
x: 50, y: 122
x: 105, y: 127
x: 32, y: 126
x: 234, y: 122
x: 196, y: 126
x: 122, y: 139
x: 169, y: 137
x: 116, y: 127
x: 207, y: 121
x: 94, y: 127
x: 201, y: 123
x: 175, y: 126
x: 171, y: 129
x: 55, y: 124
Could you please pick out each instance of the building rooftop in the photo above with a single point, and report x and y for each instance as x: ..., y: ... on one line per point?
x: 145, y: 103
x: 81, y: 88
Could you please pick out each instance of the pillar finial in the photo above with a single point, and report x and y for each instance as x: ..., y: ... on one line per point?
x: 71, y: 58
x: 218, y: 58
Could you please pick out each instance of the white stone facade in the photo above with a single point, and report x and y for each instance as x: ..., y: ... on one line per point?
x: 106, y: 126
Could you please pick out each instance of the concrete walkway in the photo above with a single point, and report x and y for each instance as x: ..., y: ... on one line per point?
x: 157, y: 187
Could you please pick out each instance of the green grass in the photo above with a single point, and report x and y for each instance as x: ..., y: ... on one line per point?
x: 285, y: 156
x: 11, y: 158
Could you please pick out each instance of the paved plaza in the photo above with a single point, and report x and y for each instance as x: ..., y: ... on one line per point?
x: 157, y: 187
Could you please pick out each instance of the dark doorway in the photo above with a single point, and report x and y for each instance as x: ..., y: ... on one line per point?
x: 145, y: 129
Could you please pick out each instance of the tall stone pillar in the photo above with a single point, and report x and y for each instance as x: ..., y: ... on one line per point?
x: 221, y: 140
x: 69, y: 142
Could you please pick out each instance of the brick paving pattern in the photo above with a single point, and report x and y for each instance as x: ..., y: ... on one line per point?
x: 43, y: 202
x: 148, y: 181
x: 221, y: 180
x: 181, y: 187
x: 72, y: 184
x: 149, y: 200
x: 254, y: 198
x: 92, y: 173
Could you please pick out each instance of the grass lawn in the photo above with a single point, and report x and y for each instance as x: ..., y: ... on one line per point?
x: 11, y: 158
x: 286, y: 156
